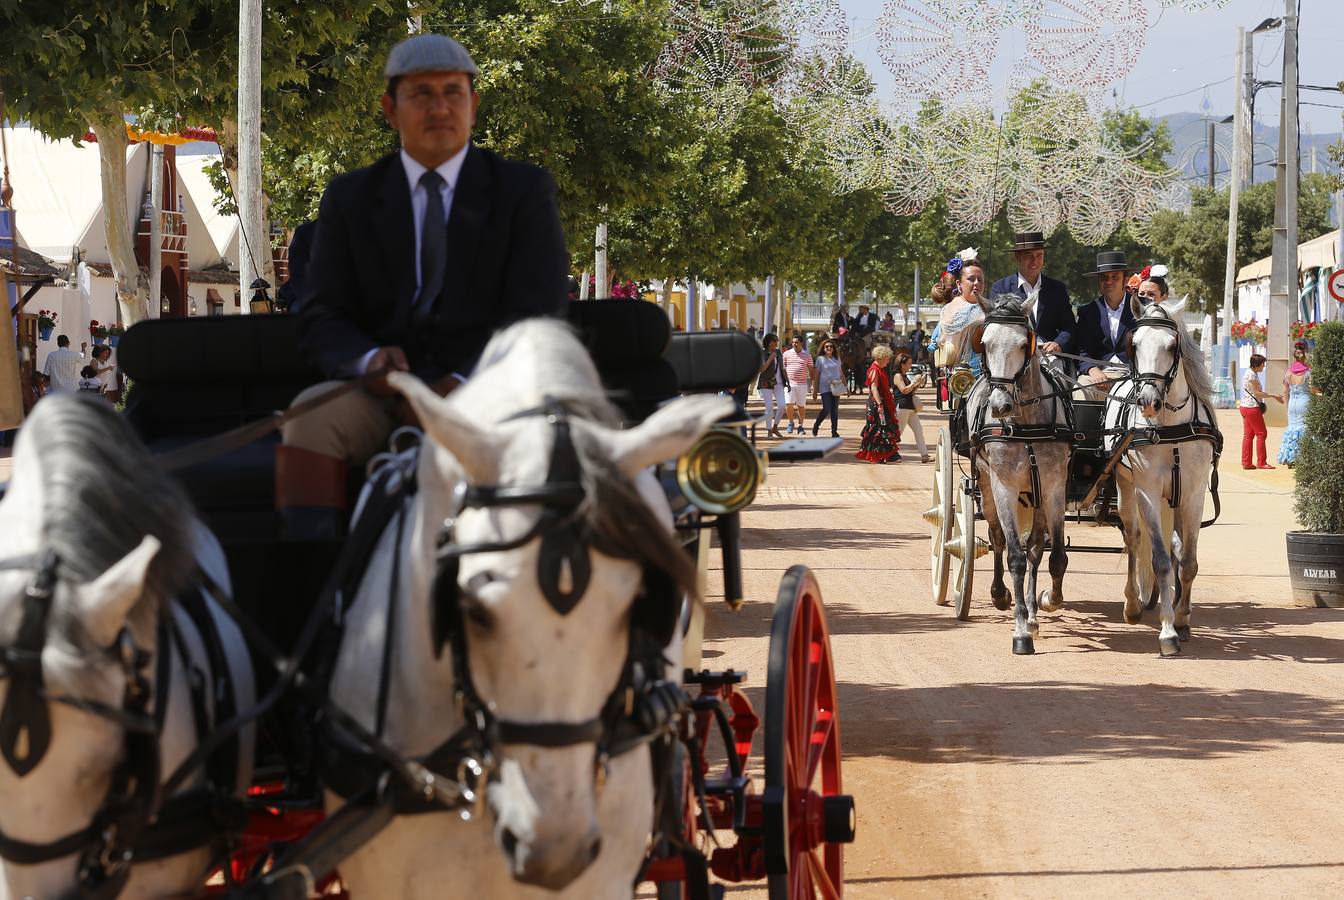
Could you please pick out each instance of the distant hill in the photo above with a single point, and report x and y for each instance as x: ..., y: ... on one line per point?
x: 1189, y: 135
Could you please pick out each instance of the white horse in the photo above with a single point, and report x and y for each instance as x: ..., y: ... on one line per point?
x: 554, y: 826
x: 1161, y: 504
x: 95, y: 545
x: 1015, y: 416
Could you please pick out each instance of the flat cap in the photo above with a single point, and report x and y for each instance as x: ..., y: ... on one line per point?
x: 428, y: 53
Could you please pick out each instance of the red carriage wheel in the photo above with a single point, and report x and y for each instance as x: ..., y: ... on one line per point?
x: 806, y: 818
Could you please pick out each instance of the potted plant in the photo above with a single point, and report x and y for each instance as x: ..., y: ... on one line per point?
x: 114, y: 333
x: 97, y: 332
x: 1251, y: 332
x: 1305, y: 332
x: 1316, y: 553
x: 47, y: 320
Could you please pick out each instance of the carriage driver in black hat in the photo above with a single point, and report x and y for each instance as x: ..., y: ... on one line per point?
x: 1105, y: 323
x: 1052, y: 318
x: 417, y: 260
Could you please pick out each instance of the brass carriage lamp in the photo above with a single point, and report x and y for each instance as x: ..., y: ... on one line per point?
x: 261, y: 301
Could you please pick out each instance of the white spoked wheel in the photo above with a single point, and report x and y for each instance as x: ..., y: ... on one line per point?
x: 963, y: 539
x: 940, y: 516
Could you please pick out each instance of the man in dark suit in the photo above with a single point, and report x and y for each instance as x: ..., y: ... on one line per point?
x: 417, y: 260
x: 1053, y: 316
x: 1105, y: 323
x: 294, y: 291
x: 865, y: 323
x: 841, y: 319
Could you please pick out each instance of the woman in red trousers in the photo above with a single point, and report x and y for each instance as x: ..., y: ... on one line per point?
x: 1252, y: 405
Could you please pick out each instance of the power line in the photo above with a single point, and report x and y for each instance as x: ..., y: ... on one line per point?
x: 1193, y: 90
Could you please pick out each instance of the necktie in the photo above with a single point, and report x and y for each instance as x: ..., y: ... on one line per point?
x: 433, y: 247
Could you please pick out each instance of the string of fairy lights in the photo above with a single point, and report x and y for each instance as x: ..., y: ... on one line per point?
x: 1045, y: 156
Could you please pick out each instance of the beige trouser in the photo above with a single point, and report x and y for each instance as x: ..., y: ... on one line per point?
x: 352, y: 428
x: 909, y: 418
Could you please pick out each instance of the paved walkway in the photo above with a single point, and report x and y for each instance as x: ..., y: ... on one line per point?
x: 1092, y: 768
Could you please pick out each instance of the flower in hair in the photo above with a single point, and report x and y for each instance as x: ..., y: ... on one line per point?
x: 967, y: 255
x: 954, y: 265
x: 1143, y: 275
x: 1159, y: 270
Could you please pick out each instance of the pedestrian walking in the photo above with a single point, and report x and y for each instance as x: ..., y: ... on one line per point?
x: 1252, y: 404
x: 829, y: 382
x: 1297, y: 383
x: 878, y: 443
x: 63, y: 365
x: 908, y: 404
x: 770, y: 384
x: 798, y: 372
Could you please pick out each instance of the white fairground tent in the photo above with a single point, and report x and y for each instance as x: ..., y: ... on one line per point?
x: 59, y: 212
x: 1316, y: 259
x: 58, y: 203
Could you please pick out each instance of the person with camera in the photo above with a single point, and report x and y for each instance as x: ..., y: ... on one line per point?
x: 907, y: 383
x: 1253, y: 431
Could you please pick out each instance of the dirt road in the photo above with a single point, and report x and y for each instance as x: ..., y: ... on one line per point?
x: 1093, y: 767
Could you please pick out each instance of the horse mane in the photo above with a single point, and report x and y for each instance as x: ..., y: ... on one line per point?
x: 101, y: 494
x: 544, y: 363
x: 1192, y: 358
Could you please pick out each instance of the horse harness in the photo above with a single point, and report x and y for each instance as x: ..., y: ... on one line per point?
x: 134, y: 823
x: 983, y: 431
x: 1197, y: 429
x: 642, y: 707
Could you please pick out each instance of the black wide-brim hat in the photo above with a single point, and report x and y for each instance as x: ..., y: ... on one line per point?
x: 1028, y: 240
x: 1110, y: 261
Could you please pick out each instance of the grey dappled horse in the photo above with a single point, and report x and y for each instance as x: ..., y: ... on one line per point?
x: 1161, y: 504
x: 1014, y: 397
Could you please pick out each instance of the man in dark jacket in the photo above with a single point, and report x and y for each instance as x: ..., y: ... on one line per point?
x: 1105, y: 323
x: 1053, y: 316
x: 841, y: 320
x: 417, y: 260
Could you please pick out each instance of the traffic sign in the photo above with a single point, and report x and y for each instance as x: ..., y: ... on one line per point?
x: 1336, y: 285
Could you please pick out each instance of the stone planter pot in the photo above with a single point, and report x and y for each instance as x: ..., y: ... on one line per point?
x: 1316, y: 568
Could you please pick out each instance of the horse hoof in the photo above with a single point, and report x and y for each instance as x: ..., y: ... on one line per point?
x: 1023, y: 646
x: 943, y: 602
x: 1047, y: 601
x: 1001, y: 601
x: 1133, y: 618
x: 1035, y: 629
x: 1169, y: 646
x: 1183, y: 632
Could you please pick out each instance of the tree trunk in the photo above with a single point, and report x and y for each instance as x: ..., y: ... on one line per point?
x: 131, y: 284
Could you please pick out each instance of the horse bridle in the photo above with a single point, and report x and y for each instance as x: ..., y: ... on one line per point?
x: 1017, y: 319
x: 1160, y: 380
x: 564, y: 546
x: 106, y: 845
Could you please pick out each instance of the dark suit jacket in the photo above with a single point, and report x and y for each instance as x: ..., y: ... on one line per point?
x: 294, y: 291
x: 506, y: 261
x: 1094, y: 335
x: 1054, y: 310
x: 865, y: 325
x: 841, y: 320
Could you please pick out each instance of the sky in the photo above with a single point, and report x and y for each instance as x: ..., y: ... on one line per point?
x: 1184, y: 52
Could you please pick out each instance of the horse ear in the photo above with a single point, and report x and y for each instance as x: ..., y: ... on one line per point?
x: 107, y: 601
x: 470, y: 444
x: 666, y: 434
x: 986, y: 304
x: 1030, y: 303
x: 1174, y: 307
x: 1135, y: 306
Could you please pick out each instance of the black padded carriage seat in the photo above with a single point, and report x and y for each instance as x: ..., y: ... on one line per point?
x: 196, y: 377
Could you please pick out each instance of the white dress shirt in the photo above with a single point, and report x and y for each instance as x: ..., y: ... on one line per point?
x: 1114, y: 317
x: 449, y: 172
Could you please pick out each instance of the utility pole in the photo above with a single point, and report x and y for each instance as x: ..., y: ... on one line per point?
x: 603, y: 287
x: 840, y: 285
x: 1283, y: 267
x: 1212, y: 137
x: 1239, y: 145
x: 155, y: 231
x: 692, y: 304
x: 917, y: 273
x: 254, y: 242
